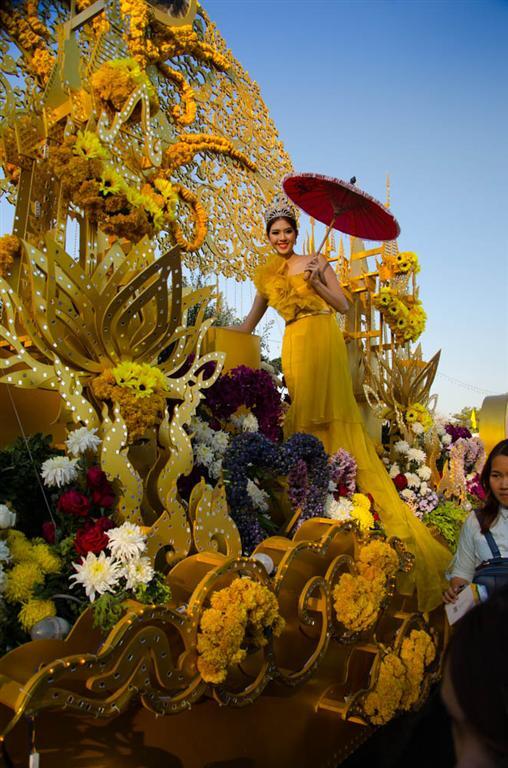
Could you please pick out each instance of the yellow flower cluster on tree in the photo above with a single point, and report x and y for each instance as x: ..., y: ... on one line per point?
x: 140, y: 45
x: 142, y: 401
x: 191, y: 144
x: 361, y: 512
x: 240, y: 614
x: 32, y: 562
x: 358, y: 598
x: 404, y: 314
x: 10, y: 249
x: 199, y: 218
x: 91, y: 182
x: 114, y: 82
x: 30, y: 34
x: 418, y: 412
x: 400, y: 678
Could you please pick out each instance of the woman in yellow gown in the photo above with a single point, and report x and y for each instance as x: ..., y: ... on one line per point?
x: 306, y: 293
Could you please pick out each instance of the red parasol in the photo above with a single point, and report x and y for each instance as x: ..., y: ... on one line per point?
x: 341, y: 205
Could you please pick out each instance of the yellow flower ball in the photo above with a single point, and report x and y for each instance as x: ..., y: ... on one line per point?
x: 46, y: 559
x: 21, y: 581
x: 34, y: 611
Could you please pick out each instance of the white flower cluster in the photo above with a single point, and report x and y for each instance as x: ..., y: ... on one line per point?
x: 418, y: 494
x: 258, y: 497
x: 245, y: 422
x: 7, y: 517
x: 5, y: 557
x: 82, y: 440
x: 59, y: 471
x: 338, y: 509
x: 209, y: 446
x: 102, y: 573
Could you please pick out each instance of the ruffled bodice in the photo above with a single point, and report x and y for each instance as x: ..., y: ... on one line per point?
x: 290, y: 295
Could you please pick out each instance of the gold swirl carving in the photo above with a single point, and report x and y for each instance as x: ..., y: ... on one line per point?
x: 212, y: 526
x: 115, y: 463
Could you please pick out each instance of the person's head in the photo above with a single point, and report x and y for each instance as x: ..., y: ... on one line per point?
x: 494, y: 478
x: 475, y: 685
x: 282, y: 233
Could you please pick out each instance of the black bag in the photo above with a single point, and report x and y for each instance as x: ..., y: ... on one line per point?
x: 493, y: 574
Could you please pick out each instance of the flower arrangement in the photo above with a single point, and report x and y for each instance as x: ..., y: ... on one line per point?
x: 116, y: 80
x: 411, y: 476
x: 91, y: 182
x: 403, y: 313
x: 358, y: 597
x: 400, y: 677
x: 209, y: 447
x: 447, y: 520
x: 140, y: 391
x: 10, y: 249
x: 418, y: 418
x: 245, y: 613
x: 402, y: 264
x: 117, y: 572
x: 251, y: 389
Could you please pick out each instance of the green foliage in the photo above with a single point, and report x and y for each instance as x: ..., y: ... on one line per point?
x: 20, y: 465
x: 156, y: 592
x: 447, y: 518
x: 108, y: 609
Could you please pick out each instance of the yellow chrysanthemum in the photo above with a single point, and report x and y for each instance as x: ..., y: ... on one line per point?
x: 111, y: 181
x: 46, y: 559
x: 142, y: 378
x: 88, y: 145
x: 34, y: 611
x: 363, y: 517
x: 19, y: 546
x: 21, y: 581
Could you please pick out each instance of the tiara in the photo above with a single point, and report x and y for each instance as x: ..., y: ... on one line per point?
x: 278, y: 208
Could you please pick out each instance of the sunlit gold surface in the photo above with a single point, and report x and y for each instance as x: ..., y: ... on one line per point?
x: 494, y: 420
x: 239, y: 348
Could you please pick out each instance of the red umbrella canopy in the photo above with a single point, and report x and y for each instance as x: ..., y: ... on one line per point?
x: 351, y: 210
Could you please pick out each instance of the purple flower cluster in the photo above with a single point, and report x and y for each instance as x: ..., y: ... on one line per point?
x: 309, y: 450
x: 457, y: 432
x: 475, y: 488
x: 298, y: 484
x: 252, y: 388
x: 425, y: 504
x: 248, y: 450
x: 343, y: 472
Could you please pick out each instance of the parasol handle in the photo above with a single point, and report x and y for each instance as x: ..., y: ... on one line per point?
x: 327, y: 235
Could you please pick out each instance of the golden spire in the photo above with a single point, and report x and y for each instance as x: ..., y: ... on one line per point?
x: 387, y: 204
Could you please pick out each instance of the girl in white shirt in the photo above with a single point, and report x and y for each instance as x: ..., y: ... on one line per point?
x: 473, y: 548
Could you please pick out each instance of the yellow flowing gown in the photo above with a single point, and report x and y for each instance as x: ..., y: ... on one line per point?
x: 315, y: 366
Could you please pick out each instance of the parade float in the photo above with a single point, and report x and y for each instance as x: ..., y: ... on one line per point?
x: 178, y: 583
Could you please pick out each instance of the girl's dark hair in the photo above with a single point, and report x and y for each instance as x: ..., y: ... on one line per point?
x: 490, y: 510
x: 289, y: 220
x: 478, y: 667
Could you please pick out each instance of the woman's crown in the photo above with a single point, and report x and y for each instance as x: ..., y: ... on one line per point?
x: 279, y: 207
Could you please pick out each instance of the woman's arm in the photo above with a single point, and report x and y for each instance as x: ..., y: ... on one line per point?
x: 456, y: 585
x: 462, y: 567
x: 325, y: 283
x: 257, y: 311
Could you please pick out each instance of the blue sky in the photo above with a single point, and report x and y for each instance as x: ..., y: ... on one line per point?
x: 417, y: 90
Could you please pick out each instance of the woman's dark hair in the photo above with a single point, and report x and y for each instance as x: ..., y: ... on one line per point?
x: 477, y: 662
x: 490, y: 510
x: 289, y: 220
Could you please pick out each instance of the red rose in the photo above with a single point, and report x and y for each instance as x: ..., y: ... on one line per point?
x: 74, y: 503
x: 49, y: 531
x: 96, y: 478
x: 92, y: 537
x: 104, y: 497
x: 342, y: 489
x: 400, y: 481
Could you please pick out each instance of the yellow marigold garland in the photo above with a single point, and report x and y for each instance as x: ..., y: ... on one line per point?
x: 114, y: 82
x: 358, y: 598
x: 139, y: 410
x: 199, y: 217
x: 183, y: 113
x: 100, y: 24
x: 400, y: 678
x: 191, y: 144
x: 10, y: 249
x: 30, y: 34
x: 242, y: 612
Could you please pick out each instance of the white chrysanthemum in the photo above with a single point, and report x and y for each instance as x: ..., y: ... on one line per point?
x: 220, y: 441
x: 394, y: 470
x: 215, y: 469
x: 257, y: 496
x: 97, y: 574
x: 138, y: 571
x: 332, y: 487
x: 82, y: 440
x: 401, y: 446
x: 424, y: 489
x: 415, y: 454
x: 250, y: 423
x: 201, y: 430
x: 7, y: 517
x: 417, y: 428
x: 203, y: 454
x: 446, y: 439
x: 59, y: 471
x: 424, y: 472
x: 126, y: 542
x: 5, y: 554
x: 338, y: 510
x: 413, y: 480
x: 408, y: 495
